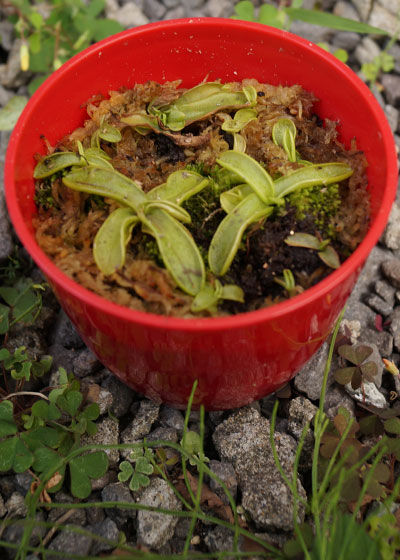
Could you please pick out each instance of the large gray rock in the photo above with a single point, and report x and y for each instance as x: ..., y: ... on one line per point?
x: 310, y: 377
x: 107, y: 434
x: 141, y: 424
x: 70, y: 542
x: 243, y: 440
x: 226, y: 473
x: 337, y: 397
x: 122, y: 395
x: 106, y: 529
x: 118, y: 492
x: 301, y: 412
x: 394, y: 327
x: 371, y: 395
x: 155, y: 529
x: 391, y: 270
x: 383, y: 17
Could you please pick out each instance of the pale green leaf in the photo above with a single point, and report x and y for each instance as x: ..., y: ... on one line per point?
x: 332, y: 21
x: 311, y: 176
x: 178, y: 250
x: 250, y: 171
x: 227, y: 238
x: 180, y: 186
x: 55, y: 162
x: 9, y: 114
x: 109, y: 246
x: 107, y: 183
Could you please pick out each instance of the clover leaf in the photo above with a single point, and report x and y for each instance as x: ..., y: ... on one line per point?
x: 137, y: 474
x: 361, y: 370
x: 85, y: 467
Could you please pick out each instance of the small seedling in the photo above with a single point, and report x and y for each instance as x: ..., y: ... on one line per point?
x: 288, y: 283
x: 210, y: 295
x: 191, y: 443
x: 326, y: 252
x: 382, y: 63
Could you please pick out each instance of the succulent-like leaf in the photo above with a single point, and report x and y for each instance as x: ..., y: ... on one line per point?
x: 109, y: 246
x: 330, y: 257
x: 284, y: 135
x: 239, y: 143
x: 180, y: 186
x: 231, y: 198
x: 240, y: 120
x: 170, y: 207
x: 227, y: 238
x: 97, y: 161
x: 108, y: 183
x: 311, y: 176
x: 55, y: 162
x: 209, y: 296
x: 232, y: 292
x: 251, y: 172
x: 142, y: 122
x: 201, y: 101
x: 305, y: 240
x: 205, y: 299
x: 178, y: 250
x: 109, y: 133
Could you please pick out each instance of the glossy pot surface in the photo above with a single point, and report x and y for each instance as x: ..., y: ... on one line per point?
x: 235, y: 359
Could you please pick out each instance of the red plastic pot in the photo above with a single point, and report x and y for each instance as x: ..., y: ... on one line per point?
x: 235, y: 359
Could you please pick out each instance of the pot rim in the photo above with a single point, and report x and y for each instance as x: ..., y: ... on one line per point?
x: 206, y: 324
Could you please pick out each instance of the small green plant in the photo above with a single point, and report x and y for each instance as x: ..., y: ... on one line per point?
x: 282, y: 17
x: 22, y: 303
x: 137, y: 474
x: 288, y: 283
x: 349, y: 472
x: 360, y: 370
x: 256, y: 198
x: 382, y: 63
x: 51, y: 36
x: 53, y: 428
x: 325, y: 251
x: 21, y: 367
x: 193, y: 445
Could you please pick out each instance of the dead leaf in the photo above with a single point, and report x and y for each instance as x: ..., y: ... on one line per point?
x: 53, y: 481
x: 208, y: 498
x: 284, y: 392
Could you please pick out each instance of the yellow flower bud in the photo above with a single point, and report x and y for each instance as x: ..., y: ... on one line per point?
x: 24, y: 57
